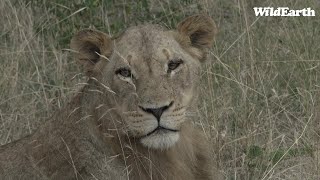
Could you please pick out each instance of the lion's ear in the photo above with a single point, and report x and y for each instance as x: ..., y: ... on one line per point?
x: 199, y: 32
x: 91, y: 48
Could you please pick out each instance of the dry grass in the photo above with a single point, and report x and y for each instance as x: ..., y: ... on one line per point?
x: 259, y: 95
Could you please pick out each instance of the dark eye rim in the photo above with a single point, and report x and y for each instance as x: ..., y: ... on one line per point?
x: 176, y: 64
x: 125, y: 72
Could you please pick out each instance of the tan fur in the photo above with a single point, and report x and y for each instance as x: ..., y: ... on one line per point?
x: 107, y: 130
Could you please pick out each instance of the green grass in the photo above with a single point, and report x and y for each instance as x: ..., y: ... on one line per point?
x: 260, y: 90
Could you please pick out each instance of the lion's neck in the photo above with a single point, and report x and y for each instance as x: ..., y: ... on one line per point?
x: 72, y: 131
x: 178, y: 162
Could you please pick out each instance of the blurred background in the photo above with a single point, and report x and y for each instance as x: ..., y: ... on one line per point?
x: 260, y: 95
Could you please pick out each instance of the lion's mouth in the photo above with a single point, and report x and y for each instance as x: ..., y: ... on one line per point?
x: 161, y: 129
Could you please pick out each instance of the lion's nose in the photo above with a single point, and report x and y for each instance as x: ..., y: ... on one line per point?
x: 157, y: 112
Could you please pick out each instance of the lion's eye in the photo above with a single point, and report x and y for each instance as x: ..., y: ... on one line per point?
x: 174, y: 64
x: 124, y: 72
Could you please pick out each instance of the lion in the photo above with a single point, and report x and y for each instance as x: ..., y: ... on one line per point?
x: 130, y: 119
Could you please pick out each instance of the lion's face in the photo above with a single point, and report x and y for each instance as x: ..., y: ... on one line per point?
x: 152, y: 72
x: 153, y: 78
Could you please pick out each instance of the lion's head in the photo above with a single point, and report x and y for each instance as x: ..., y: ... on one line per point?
x: 153, y: 73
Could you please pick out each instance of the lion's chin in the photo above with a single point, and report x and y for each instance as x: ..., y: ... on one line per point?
x: 162, y: 139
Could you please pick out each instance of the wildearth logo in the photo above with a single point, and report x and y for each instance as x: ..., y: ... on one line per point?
x: 283, y: 11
